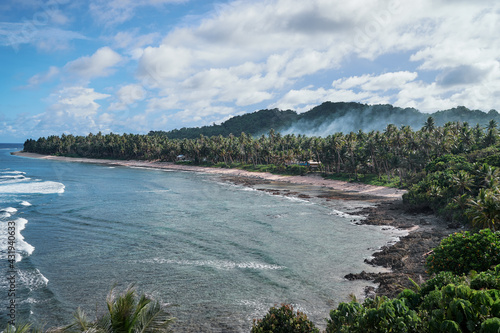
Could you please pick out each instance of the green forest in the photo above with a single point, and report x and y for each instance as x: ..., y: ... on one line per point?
x: 329, y: 118
x: 452, y: 169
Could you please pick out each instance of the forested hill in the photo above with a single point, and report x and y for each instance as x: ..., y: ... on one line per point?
x: 329, y: 118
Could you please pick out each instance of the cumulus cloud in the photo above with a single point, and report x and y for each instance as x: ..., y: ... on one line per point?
x: 73, y: 110
x: 128, y: 95
x: 465, y: 74
x: 281, y: 41
x: 101, y: 63
x: 296, y: 54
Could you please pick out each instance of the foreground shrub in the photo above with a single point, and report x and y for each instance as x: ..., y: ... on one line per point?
x: 284, y: 320
x: 377, y: 315
x: 487, y: 280
x: 126, y: 313
x: 462, y: 252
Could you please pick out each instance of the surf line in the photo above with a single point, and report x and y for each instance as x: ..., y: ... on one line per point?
x: 11, y: 273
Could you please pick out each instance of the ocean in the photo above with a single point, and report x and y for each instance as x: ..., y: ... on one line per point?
x: 220, y: 254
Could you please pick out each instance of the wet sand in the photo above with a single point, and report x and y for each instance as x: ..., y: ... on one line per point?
x: 405, y: 258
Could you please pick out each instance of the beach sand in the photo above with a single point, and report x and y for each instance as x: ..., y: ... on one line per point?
x: 314, y: 180
x: 405, y: 258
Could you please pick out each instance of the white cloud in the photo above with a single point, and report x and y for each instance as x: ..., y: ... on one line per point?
x: 296, y: 54
x: 280, y: 42
x: 383, y: 82
x: 160, y: 65
x: 128, y: 95
x: 101, y: 63
x: 111, y: 12
x: 132, y: 39
x: 43, y: 37
x: 74, y: 110
x: 77, y: 101
x: 37, y: 79
x: 304, y: 99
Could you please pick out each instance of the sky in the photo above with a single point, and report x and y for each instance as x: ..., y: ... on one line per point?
x: 131, y: 66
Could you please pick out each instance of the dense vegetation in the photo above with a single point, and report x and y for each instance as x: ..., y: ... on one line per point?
x: 452, y: 169
x: 330, y: 118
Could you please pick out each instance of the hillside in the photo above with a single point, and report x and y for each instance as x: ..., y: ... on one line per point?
x: 329, y: 118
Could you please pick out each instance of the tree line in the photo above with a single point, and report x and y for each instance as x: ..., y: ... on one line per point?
x: 395, y: 151
x: 452, y: 168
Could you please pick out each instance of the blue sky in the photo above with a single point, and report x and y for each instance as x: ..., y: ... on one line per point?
x: 127, y: 66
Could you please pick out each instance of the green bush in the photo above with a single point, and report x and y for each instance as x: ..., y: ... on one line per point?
x: 448, y: 161
x: 491, y: 325
x: 284, y: 320
x: 439, y: 281
x: 489, y: 279
x: 377, y: 315
x: 462, y: 252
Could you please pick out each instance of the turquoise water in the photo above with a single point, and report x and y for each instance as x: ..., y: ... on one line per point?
x: 223, y: 254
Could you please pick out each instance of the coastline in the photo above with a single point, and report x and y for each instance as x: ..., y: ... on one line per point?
x: 405, y: 258
x: 349, y: 189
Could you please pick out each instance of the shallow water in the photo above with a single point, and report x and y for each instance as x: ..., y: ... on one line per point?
x: 222, y: 253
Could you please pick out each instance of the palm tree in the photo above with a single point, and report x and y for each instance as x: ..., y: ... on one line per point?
x: 462, y: 181
x: 429, y: 125
x: 484, y: 212
x: 126, y: 313
x: 22, y: 328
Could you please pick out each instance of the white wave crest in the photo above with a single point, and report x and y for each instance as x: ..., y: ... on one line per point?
x: 22, y: 248
x: 32, y: 279
x: 43, y: 187
x: 13, y: 180
x: 12, y: 177
x: 218, y: 264
x: 346, y: 215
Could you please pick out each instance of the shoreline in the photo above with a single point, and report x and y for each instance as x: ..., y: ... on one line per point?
x: 405, y: 258
x: 349, y: 189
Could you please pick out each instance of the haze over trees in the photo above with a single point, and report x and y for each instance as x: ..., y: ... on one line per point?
x: 329, y: 118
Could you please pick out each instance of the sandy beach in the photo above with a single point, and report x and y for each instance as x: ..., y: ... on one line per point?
x: 314, y: 180
x: 405, y: 259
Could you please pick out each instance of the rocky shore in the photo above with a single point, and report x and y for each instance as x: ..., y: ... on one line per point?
x: 405, y: 258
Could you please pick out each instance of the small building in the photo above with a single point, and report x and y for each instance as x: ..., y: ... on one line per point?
x: 310, y: 164
x: 313, y: 165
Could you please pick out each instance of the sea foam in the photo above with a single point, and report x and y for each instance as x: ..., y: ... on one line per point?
x: 23, y: 248
x: 13, y: 172
x: 32, y: 279
x: 43, y: 187
x: 218, y: 264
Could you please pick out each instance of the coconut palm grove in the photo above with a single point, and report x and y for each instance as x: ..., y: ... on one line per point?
x: 453, y: 170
